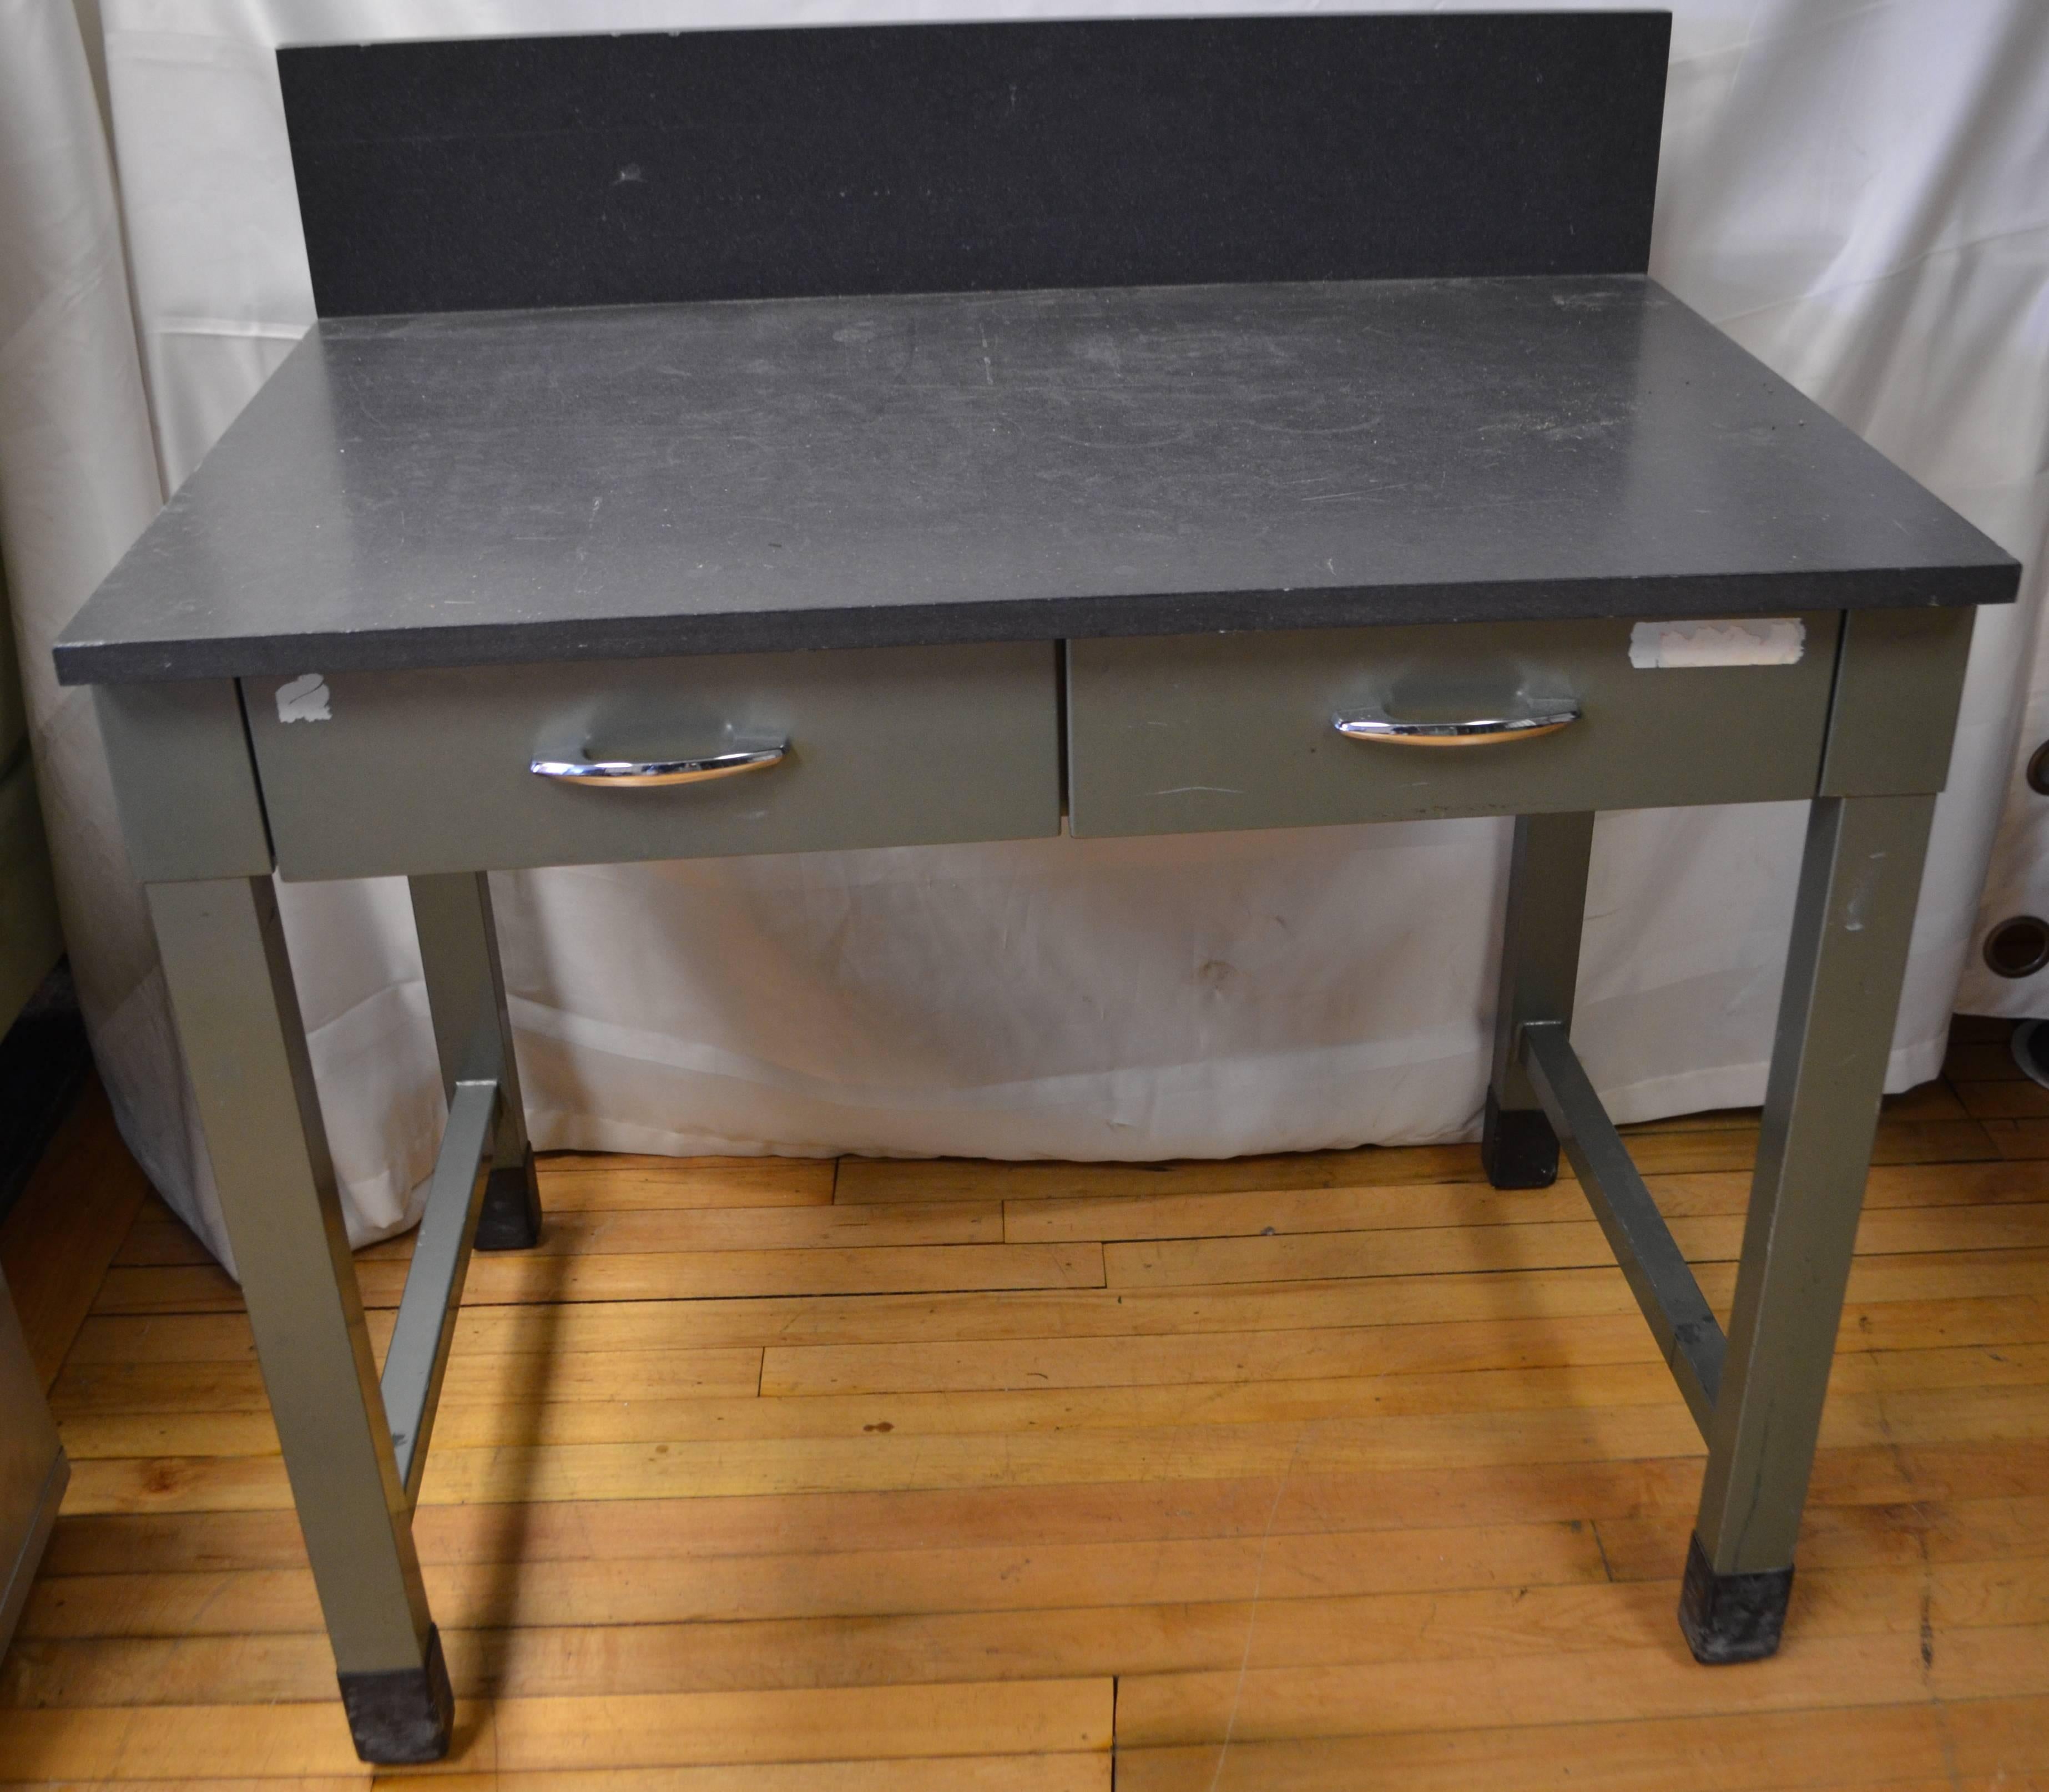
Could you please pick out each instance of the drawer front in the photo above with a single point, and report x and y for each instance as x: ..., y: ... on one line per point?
x: 430, y: 770
x: 1196, y: 733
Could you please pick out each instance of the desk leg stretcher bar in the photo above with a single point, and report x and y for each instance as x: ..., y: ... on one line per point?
x: 1757, y: 1393
x: 355, y: 1450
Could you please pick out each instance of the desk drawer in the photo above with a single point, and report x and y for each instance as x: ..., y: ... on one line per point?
x: 430, y: 770
x: 1196, y: 733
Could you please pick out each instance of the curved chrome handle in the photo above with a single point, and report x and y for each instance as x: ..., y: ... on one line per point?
x: 1545, y: 717
x: 633, y: 773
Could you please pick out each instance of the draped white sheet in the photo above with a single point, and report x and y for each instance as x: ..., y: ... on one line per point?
x: 1859, y: 192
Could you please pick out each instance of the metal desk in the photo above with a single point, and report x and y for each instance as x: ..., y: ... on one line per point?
x: 462, y: 593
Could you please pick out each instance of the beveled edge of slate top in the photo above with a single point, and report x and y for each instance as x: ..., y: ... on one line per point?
x: 1078, y: 618
x: 1963, y: 576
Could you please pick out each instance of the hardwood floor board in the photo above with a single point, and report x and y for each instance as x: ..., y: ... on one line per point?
x: 864, y: 1584
x: 1685, y: 1195
x: 1898, y: 1141
x: 880, y: 1463
x: 1262, y: 1212
x: 291, y: 1782
x: 573, y: 1185
x: 984, y: 1773
x: 1719, y: 1148
x: 988, y: 1773
x: 616, y: 1414
x: 511, y: 1659
x: 1348, y: 1257
x: 571, y: 1181
x: 711, y: 1322
x: 1024, y: 1643
x: 1642, y: 1545
x: 1321, y: 1256
x: 539, y: 1277
x: 910, y: 1417
x: 498, y: 1380
x: 1261, y: 1357
x: 1861, y: 1371
x: 508, y: 1378
x: 208, y: 1743
x: 1808, y: 1672
x: 878, y: 1723
x: 1932, y: 1100
x: 173, y: 1542
x: 583, y: 1653
x: 223, y: 1337
x: 1107, y: 1453
x: 600, y: 1232
x: 957, y: 1179
x: 1935, y: 1099
x: 1961, y: 1501
x: 1910, y: 1744
x: 1013, y: 1717
x: 605, y: 1232
x: 1898, y: 1472
x: 2000, y: 1738
x: 1419, y: 1347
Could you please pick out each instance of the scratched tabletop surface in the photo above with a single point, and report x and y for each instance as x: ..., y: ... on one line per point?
x: 482, y: 488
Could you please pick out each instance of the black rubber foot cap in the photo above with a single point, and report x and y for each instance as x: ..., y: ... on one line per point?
x: 1518, y: 1148
x: 1732, y: 1617
x: 403, y: 1717
x: 511, y: 1218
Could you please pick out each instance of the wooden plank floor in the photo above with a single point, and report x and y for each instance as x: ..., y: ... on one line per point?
x: 1337, y: 1471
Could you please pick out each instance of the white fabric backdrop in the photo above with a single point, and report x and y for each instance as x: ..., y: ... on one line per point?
x: 1858, y: 192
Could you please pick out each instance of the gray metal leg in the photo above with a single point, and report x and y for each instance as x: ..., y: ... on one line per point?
x: 1859, y: 883
x: 245, y: 1050
x: 1658, y: 1275
x: 466, y: 992
x: 1540, y: 966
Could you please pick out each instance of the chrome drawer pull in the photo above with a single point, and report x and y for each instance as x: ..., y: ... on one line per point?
x: 632, y: 773
x: 1376, y: 724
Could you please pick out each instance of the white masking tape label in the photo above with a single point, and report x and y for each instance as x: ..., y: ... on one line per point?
x: 1765, y: 641
x: 304, y: 699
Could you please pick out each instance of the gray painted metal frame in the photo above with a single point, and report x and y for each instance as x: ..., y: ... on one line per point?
x: 1859, y: 882
x: 418, y: 1357
x: 1681, y: 1318
x: 193, y: 808
x: 1540, y: 973
x: 354, y: 1446
x: 245, y: 1051
x: 458, y: 937
x: 193, y: 815
x: 1756, y: 1392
